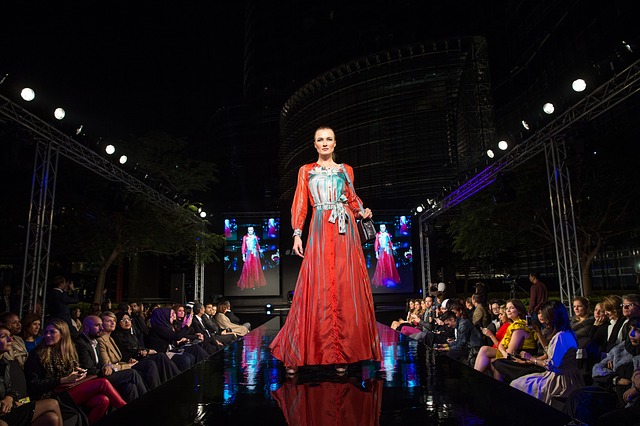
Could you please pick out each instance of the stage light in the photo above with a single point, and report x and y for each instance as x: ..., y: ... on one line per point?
x: 59, y: 113
x: 123, y: 159
x: 548, y: 108
x: 420, y: 208
x: 627, y: 46
x: 503, y: 145
x: 110, y: 149
x: 79, y: 129
x: 490, y: 153
x: 578, y: 85
x: 203, y: 214
x: 525, y: 124
x: 28, y: 94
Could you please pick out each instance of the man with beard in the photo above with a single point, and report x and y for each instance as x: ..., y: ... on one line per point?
x: 128, y: 382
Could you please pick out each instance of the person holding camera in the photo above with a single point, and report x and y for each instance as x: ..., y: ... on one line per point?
x: 59, y: 298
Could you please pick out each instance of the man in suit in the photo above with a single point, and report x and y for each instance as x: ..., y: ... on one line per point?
x: 59, y: 298
x: 224, y: 336
x: 138, y: 323
x: 128, y: 383
x: 200, y: 329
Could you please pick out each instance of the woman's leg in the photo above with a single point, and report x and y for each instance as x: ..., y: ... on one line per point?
x: 483, y: 360
x: 85, y: 392
x: 183, y: 361
x: 47, y: 412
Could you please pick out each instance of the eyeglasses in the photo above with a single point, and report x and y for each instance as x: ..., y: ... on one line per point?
x: 628, y: 305
x: 125, y: 320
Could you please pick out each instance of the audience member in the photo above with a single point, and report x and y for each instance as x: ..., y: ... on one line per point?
x: 59, y: 298
x: 17, y: 350
x: 613, y: 309
x: 537, y: 294
x: 480, y: 317
x: 138, y: 322
x: 55, y: 363
x: 128, y: 382
x: 31, y: 331
x: 467, y: 340
x: 76, y: 320
x: 224, y: 336
x: 225, y: 307
x: 44, y: 412
x: 225, y: 323
x: 9, y: 302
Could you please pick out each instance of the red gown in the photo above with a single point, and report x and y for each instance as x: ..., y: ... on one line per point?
x: 386, y: 274
x: 252, y: 275
x: 332, y: 320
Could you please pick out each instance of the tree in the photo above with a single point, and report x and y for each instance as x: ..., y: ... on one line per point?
x: 102, y: 221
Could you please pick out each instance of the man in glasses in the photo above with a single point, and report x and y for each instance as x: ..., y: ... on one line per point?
x: 630, y: 308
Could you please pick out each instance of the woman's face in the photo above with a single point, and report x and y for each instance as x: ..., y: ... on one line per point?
x: 34, y: 328
x: 5, y: 341
x: 579, y: 309
x: 125, y: 322
x: 411, y: 304
x: 423, y: 305
x: 598, y: 312
x: 541, y: 318
x: 495, y: 308
x: 325, y: 142
x: 512, y: 312
x: 502, y: 316
x: 108, y: 323
x: 180, y: 312
x: 52, y: 335
x: 634, y: 336
x: 469, y: 305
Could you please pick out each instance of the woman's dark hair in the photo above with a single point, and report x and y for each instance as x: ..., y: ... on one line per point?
x: 517, y: 303
x: 556, y: 316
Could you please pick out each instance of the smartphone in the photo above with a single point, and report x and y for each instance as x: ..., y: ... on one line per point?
x: 528, y: 319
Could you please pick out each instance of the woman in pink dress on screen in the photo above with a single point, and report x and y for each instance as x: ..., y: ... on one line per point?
x: 386, y: 274
x: 252, y: 275
x: 332, y: 320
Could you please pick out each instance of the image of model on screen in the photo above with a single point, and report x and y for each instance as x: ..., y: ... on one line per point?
x: 252, y: 275
x: 386, y: 272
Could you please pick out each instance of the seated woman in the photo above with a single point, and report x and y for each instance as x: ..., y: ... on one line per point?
x: 44, y: 412
x: 410, y: 310
x: 130, y: 348
x: 55, y: 362
x: 109, y: 353
x: 505, y: 322
x: 562, y: 375
x: 518, y: 337
x: 31, y: 331
x: 613, y: 311
x: 164, y: 339
x: 582, y: 323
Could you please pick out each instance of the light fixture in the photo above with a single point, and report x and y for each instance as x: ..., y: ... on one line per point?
x: 525, y: 124
x: 503, y: 145
x: 79, y: 130
x: 59, y: 113
x: 548, y: 108
x: 578, y: 85
x: 110, y: 149
x: 123, y: 159
x: 267, y: 308
x: 203, y: 214
x: 420, y: 208
x: 28, y: 94
x: 627, y: 46
x: 490, y: 153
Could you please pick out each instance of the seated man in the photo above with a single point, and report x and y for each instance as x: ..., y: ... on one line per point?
x: 225, y: 323
x: 225, y: 308
x: 221, y: 335
x: 128, y: 383
x: 467, y: 337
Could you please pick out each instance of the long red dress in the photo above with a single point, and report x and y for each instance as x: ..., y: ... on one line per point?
x: 252, y: 275
x: 386, y: 274
x: 331, y: 320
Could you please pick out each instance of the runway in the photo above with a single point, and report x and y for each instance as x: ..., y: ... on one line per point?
x: 244, y: 385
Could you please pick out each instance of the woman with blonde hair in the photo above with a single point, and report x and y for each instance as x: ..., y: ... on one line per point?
x: 55, y: 362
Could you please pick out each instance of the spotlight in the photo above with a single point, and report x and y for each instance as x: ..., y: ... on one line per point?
x: 79, y: 130
x: 59, y: 113
x: 578, y: 85
x: 503, y: 145
x: 28, y: 94
x: 548, y: 108
x: 627, y: 46
x: 203, y: 214
x: 123, y: 159
x: 490, y: 153
x: 420, y: 208
x: 267, y: 308
x: 110, y: 149
x: 525, y: 124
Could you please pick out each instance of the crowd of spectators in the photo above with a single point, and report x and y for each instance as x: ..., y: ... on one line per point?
x: 584, y: 361
x: 79, y: 366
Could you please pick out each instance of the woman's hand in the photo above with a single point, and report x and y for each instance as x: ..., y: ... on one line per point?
x: 630, y: 394
x: 487, y: 332
x: 187, y: 320
x: 623, y: 382
x: 5, y: 404
x: 366, y: 214
x: 79, y: 374
x: 599, y: 321
x: 297, y: 246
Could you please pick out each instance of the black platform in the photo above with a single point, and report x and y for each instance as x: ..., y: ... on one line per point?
x: 244, y: 385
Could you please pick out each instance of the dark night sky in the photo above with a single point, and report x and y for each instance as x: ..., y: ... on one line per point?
x: 123, y: 67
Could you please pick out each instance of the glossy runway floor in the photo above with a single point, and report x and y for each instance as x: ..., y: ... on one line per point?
x: 244, y: 385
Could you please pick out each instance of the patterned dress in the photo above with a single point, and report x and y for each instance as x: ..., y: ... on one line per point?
x: 386, y: 272
x: 332, y: 320
x: 252, y: 275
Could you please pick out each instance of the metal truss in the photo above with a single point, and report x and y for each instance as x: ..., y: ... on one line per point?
x: 616, y: 90
x: 50, y: 142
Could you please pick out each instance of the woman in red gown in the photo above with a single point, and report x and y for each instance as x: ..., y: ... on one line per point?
x: 332, y: 320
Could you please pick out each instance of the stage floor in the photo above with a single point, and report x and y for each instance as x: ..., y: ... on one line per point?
x: 244, y: 385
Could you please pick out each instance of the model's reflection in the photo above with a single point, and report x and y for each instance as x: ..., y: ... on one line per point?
x: 349, y: 402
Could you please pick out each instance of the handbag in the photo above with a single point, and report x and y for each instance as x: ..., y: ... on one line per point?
x: 366, y: 228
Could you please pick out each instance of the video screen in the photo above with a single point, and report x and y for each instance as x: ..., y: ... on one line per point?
x: 389, y: 258
x: 252, y: 256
